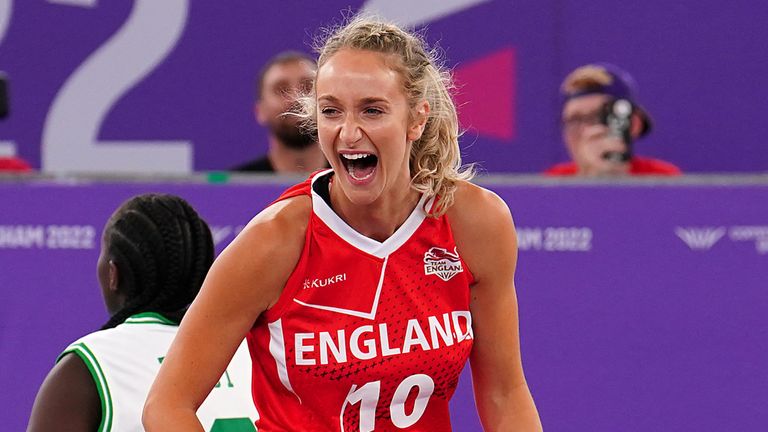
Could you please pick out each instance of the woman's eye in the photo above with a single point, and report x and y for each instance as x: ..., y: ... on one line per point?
x: 373, y: 111
x: 328, y: 111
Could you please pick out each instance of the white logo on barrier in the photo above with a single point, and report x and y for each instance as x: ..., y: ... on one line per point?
x: 758, y: 234
x: 555, y: 239
x: 219, y: 233
x: 443, y: 264
x: 225, y: 233
x: 48, y: 237
x: 700, y: 238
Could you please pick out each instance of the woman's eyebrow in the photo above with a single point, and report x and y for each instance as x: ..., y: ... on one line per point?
x: 328, y: 98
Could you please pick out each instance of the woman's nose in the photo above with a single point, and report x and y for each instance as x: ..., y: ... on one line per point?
x: 350, y: 131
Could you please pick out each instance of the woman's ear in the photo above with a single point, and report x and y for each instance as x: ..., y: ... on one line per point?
x: 113, y: 276
x: 420, y: 116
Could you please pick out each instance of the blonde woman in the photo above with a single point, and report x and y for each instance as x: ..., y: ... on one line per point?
x: 364, y: 290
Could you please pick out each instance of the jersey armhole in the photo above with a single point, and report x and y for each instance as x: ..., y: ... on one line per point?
x: 97, y: 373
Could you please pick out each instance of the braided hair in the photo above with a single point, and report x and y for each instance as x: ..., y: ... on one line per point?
x: 163, y: 250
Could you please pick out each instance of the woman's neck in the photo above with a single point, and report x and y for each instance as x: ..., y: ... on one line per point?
x: 381, y: 218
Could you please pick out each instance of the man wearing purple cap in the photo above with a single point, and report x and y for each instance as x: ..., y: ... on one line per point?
x: 601, y: 119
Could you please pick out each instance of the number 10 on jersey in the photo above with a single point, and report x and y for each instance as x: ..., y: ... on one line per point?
x: 367, y: 396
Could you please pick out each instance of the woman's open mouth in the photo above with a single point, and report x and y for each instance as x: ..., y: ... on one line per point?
x: 360, y: 166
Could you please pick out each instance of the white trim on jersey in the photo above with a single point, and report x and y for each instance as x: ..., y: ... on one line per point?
x: 102, y: 386
x: 277, y: 349
x: 354, y: 238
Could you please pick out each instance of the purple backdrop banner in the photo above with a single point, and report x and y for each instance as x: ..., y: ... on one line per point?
x: 642, y: 308
x: 142, y: 85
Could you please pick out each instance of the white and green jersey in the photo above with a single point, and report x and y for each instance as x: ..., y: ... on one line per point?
x: 124, y: 361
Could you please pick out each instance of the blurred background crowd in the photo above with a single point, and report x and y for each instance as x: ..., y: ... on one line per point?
x: 641, y: 302
x: 175, y: 87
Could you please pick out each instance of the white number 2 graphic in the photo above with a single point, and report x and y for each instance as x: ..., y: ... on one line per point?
x: 70, y: 134
x: 368, y: 396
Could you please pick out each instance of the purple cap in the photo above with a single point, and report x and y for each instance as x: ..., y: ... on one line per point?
x: 620, y: 86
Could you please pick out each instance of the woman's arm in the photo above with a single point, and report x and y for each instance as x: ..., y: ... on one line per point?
x: 67, y: 400
x: 486, y: 240
x: 245, y: 280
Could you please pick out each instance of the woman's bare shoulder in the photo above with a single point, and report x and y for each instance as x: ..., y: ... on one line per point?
x: 475, y: 206
x: 484, y: 231
x: 272, y: 240
x: 267, y: 251
x: 282, y: 224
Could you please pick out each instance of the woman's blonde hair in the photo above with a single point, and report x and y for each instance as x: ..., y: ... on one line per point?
x: 435, y: 159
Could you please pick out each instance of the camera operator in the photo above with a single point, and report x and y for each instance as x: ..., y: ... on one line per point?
x: 600, y: 122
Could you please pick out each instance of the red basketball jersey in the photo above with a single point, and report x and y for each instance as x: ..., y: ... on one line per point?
x: 366, y: 335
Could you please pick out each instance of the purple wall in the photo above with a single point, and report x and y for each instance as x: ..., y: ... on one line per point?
x: 642, y: 308
x: 700, y: 67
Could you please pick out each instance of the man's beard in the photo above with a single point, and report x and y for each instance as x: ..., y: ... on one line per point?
x: 291, y: 135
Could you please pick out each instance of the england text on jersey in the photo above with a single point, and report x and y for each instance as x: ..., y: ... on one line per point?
x: 366, y: 342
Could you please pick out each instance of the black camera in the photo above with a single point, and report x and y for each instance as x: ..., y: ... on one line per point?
x: 616, y: 114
